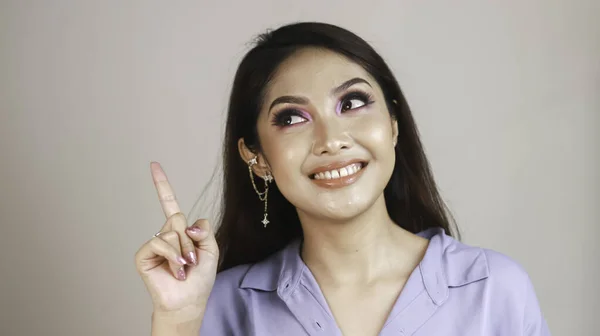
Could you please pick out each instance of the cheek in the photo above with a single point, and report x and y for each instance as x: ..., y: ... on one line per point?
x: 285, y: 154
x: 374, y: 132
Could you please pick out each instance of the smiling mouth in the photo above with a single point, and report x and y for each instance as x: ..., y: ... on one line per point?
x: 349, y: 170
x: 339, y: 177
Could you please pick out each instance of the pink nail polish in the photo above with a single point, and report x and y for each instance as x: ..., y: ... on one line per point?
x: 181, y: 260
x: 192, y: 257
x: 195, y: 230
x: 181, y: 274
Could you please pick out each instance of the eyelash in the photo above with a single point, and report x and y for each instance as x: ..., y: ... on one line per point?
x: 366, y: 98
x: 279, y: 118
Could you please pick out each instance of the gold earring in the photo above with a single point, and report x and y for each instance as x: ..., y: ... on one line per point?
x: 264, y: 194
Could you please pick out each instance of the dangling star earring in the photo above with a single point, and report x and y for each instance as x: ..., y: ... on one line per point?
x: 268, y: 178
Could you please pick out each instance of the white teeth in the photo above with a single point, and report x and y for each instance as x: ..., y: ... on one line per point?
x: 337, y: 173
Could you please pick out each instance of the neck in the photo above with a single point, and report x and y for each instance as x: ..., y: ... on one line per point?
x: 355, y: 251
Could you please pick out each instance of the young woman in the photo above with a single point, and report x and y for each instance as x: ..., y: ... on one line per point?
x: 331, y: 223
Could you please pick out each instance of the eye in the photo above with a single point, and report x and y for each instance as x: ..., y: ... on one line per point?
x: 354, y: 100
x: 352, y: 104
x: 292, y: 119
x: 288, y: 118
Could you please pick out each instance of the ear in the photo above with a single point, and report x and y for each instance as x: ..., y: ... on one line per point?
x: 261, y: 168
x: 394, y: 131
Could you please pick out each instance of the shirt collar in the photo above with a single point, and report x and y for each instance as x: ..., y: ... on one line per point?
x: 447, y: 263
x: 281, y: 271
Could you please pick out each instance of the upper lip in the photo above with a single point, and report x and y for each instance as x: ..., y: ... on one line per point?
x: 335, y: 165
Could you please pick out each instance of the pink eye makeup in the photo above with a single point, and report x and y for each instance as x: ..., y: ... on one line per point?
x: 353, y: 100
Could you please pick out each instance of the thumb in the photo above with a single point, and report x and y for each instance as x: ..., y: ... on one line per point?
x: 203, y: 236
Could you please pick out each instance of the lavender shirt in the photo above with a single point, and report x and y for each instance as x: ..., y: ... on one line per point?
x: 456, y: 290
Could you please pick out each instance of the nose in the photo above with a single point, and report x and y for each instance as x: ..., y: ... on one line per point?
x: 331, y: 137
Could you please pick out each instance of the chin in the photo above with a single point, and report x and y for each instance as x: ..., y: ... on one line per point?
x: 341, y: 209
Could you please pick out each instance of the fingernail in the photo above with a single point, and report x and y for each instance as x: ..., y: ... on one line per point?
x: 192, y: 257
x: 181, y: 274
x: 181, y: 260
x: 196, y: 230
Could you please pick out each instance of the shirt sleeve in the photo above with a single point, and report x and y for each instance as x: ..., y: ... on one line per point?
x: 534, y: 323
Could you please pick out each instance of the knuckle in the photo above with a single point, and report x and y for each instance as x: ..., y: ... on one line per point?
x: 170, y: 236
x: 137, y: 257
x: 188, y: 245
x: 167, y: 197
x: 178, y: 219
x: 155, y: 242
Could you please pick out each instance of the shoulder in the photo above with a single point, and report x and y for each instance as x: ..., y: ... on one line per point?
x: 504, y: 270
x: 509, y: 291
x: 503, y: 275
x: 463, y: 264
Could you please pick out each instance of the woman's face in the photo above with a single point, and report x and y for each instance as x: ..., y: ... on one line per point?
x: 326, y: 135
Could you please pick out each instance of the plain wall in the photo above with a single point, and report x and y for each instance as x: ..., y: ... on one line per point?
x: 505, y: 93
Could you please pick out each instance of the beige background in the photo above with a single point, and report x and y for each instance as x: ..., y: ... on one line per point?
x: 506, y: 94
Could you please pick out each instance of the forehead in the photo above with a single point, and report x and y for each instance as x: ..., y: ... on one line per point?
x: 312, y: 72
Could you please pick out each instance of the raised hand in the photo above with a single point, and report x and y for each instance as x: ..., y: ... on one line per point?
x: 178, y: 265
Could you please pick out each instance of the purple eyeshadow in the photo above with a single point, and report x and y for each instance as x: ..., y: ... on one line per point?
x: 305, y: 115
x: 338, y: 107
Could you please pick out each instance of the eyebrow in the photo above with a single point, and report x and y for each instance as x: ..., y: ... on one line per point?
x: 347, y: 84
x: 304, y: 101
x: 289, y: 100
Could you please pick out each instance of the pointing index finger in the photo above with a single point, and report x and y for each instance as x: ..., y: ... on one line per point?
x: 166, y: 195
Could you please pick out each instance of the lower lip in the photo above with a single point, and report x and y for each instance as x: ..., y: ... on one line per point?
x: 339, y: 182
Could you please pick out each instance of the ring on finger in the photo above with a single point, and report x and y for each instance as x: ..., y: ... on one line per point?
x: 158, y: 233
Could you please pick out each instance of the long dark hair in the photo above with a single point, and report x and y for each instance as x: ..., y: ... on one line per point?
x: 411, y: 195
